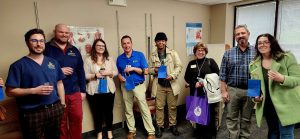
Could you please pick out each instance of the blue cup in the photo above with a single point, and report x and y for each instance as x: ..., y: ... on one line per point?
x: 1, y: 93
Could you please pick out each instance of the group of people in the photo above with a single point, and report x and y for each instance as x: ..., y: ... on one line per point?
x: 279, y: 75
x: 52, y: 80
x: 49, y: 85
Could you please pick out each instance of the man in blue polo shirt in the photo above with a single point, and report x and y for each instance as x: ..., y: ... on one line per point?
x: 133, y: 63
x: 36, y: 82
x: 69, y: 58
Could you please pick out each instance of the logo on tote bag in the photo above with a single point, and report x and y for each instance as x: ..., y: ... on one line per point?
x: 197, y: 111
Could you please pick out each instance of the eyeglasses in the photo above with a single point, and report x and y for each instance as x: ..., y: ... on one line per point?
x: 263, y: 43
x: 36, y: 41
x: 100, y: 45
x: 200, y: 50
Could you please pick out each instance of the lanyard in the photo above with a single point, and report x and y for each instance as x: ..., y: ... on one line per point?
x: 199, y: 69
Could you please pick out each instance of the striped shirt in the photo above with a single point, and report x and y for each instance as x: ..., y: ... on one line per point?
x: 234, y: 67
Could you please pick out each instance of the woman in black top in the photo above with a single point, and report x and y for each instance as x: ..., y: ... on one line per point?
x: 195, y: 72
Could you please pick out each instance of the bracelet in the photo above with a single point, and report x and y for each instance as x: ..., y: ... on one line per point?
x: 95, y: 76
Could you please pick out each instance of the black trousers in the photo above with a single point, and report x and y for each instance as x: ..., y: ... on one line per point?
x: 272, y: 119
x: 102, y: 109
x: 208, y: 131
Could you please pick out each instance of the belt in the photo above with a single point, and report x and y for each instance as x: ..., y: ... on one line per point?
x: 136, y: 84
x: 42, y: 107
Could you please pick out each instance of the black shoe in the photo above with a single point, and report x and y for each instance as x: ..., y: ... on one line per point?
x: 158, y: 132
x: 174, y: 130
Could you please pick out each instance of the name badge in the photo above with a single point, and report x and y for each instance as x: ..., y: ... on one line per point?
x: 193, y: 66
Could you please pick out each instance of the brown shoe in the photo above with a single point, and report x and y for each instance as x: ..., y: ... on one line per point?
x: 130, y: 135
x: 150, y: 136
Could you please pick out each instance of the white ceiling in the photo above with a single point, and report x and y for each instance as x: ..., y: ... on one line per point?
x: 210, y: 2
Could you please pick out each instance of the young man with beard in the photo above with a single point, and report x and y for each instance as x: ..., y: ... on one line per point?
x: 36, y: 82
x: 133, y: 63
x: 165, y: 90
x: 71, y: 62
x: 234, y: 75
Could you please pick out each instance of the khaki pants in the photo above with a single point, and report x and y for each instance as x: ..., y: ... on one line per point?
x: 139, y: 93
x: 239, y: 109
x: 165, y: 94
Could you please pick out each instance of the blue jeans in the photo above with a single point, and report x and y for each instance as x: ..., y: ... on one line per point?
x: 276, y: 130
x: 286, y: 132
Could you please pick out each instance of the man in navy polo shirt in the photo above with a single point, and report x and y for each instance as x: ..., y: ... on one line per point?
x: 36, y: 82
x: 133, y: 63
x: 71, y: 62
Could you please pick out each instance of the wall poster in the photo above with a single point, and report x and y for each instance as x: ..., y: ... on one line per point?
x: 83, y: 37
x: 193, y: 36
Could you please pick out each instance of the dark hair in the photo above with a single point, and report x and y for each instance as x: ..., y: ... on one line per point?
x: 276, y: 50
x: 200, y: 45
x: 160, y: 36
x: 31, y: 32
x: 126, y: 36
x: 94, y: 53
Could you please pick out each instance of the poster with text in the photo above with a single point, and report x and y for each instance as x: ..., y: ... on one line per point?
x: 83, y: 38
x: 193, y: 36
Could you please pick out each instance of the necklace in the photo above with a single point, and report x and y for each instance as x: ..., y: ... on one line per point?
x: 199, y: 69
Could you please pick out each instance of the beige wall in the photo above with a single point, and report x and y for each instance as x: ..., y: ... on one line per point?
x: 222, y: 24
x: 17, y: 17
x: 218, y: 23
x: 229, y: 27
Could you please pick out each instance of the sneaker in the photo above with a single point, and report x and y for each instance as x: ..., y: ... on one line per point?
x: 131, y: 135
x: 151, y: 136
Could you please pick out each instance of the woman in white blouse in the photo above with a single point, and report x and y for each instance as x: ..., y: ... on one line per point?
x: 99, y: 67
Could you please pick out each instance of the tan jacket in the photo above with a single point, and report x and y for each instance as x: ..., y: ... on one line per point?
x: 174, y: 68
x: 90, y: 69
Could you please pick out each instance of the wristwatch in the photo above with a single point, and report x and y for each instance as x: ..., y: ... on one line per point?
x: 143, y: 71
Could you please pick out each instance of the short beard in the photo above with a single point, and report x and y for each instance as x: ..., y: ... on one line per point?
x: 60, y: 41
x: 242, y: 41
x: 34, y: 52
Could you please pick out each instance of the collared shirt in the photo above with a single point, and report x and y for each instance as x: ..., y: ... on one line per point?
x: 137, y: 59
x: 26, y: 73
x: 234, y: 68
x: 69, y: 57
